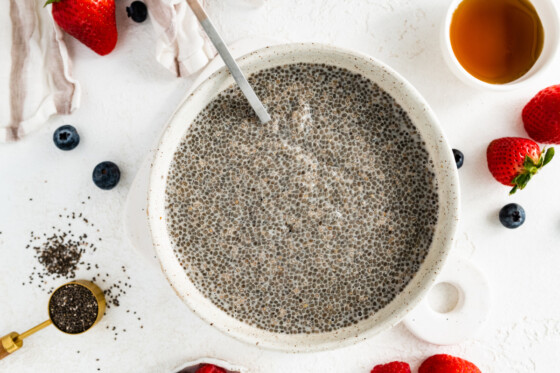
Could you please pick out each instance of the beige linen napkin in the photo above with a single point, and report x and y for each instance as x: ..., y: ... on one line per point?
x: 181, y: 46
x: 35, y: 70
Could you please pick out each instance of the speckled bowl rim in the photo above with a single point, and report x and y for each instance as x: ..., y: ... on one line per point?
x: 438, y: 148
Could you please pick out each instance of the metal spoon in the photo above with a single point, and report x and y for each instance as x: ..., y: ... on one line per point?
x: 224, y: 52
x: 14, y: 341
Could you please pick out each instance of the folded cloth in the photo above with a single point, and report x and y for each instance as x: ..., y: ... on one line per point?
x: 35, y: 70
x: 182, y: 46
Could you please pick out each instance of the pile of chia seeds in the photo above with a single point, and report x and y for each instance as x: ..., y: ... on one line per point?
x: 62, y: 250
x: 60, y: 254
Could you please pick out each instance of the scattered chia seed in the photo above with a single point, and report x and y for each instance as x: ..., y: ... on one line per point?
x: 73, y: 309
x: 64, y: 253
x: 61, y: 255
x: 60, y: 252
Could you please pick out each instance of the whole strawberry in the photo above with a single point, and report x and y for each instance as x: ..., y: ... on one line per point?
x: 447, y: 364
x: 541, y: 116
x: 394, y: 367
x: 209, y: 368
x: 90, y: 21
x: 513, y: 160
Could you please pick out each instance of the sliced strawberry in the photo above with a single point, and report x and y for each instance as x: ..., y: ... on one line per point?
x: 513, y: 160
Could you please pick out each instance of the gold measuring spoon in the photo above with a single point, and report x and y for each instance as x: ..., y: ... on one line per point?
x: 14, y: 341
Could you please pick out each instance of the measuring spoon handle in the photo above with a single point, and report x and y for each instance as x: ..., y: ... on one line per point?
x: 9, y: 343
x: 13, y: 341
x: 3, y: 352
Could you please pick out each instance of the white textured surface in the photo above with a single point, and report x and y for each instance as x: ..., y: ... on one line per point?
x: 128, y: 97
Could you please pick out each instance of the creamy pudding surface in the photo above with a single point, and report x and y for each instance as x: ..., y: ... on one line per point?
x: 313, y: 221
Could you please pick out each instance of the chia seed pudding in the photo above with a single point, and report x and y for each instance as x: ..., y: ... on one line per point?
x: 313, y: 221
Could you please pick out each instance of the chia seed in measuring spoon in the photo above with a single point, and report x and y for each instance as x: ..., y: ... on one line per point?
x: 73, y: 308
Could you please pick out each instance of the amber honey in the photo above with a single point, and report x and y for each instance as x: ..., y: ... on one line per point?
x: 496, y: 41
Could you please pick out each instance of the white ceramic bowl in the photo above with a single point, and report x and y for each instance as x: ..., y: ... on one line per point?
x: 420, y: 114
x: 548, y: 14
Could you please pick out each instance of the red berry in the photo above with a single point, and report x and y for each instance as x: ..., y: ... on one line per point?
x: 513, y: 160
x: 541, y: 116
x: 394, y: 367
x: 209, y: 368
x: 90, y: 21
x: 447, y: 364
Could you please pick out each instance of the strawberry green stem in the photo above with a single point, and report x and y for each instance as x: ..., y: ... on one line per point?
x: 549, y: 155
x: 530, y: 168
x: 50, y: 2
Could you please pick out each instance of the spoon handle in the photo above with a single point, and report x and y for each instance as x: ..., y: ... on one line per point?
x: 228, y: 59
x: 35, y: 329
x: 13, y: 341
x: 3, y: 352
x: 9, y: 343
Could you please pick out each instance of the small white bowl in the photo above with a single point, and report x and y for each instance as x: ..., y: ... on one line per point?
x: 549, y: 17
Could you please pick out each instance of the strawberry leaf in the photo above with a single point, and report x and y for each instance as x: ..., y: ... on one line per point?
x: 529, y: 159
x: 520, y: 181
x: 525, y: 181
x: 50, y: 2
x: 548, y: 156
x: 528, y: 163
x: 530, y: 166
x: 541, y: 160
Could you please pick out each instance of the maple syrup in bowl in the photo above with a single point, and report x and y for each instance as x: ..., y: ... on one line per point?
x: 500, y: 44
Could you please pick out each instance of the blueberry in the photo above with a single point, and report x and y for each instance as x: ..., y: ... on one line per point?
x: 459, y: 157
x: 137, y: 11
x: 66, y: 137
x: 512, y: 215
x: 106, y: 175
